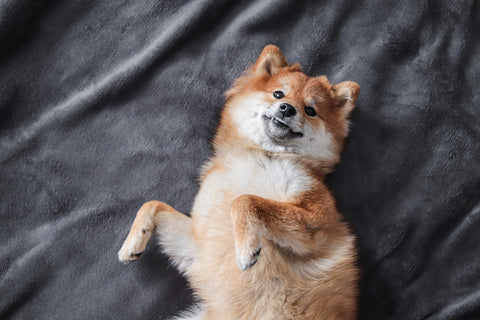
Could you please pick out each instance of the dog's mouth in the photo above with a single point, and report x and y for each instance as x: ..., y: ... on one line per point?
x: 278, y: 129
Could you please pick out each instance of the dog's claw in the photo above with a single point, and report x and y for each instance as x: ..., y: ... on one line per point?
x: 248, y: 260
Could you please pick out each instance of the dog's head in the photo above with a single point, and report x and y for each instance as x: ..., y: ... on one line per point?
x: 276, y: 107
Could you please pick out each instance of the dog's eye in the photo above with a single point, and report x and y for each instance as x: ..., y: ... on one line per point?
x: 310, y: 111
x: 278, y: 94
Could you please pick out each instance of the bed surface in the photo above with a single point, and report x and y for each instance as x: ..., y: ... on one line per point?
x: 107, y: 104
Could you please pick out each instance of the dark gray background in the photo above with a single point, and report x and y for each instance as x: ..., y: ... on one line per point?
x: 107, y: 104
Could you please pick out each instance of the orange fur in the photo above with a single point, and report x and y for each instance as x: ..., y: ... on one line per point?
x: 265, y: 240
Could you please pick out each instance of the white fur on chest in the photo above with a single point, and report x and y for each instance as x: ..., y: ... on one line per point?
x: 273, y: 178
x: 280, y: 179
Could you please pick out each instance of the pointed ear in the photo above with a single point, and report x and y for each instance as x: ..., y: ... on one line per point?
x: 345, y: 95
x: 270, y: 61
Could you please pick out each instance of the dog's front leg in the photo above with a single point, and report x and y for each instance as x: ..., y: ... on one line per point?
x: 295, y: 229
x: 174, y: 231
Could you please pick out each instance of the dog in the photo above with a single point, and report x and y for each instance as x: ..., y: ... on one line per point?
x: 264, y: 239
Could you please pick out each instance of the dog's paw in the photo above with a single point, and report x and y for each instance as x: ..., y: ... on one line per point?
x: 247, y: 255
x: 133, y: 247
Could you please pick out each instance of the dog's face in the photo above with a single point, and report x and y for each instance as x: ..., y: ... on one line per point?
x: 278, y: 108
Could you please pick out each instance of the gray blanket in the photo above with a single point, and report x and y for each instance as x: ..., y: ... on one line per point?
x: 107, y: 104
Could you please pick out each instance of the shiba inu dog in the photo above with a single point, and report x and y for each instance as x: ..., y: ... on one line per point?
x: 264, y: 239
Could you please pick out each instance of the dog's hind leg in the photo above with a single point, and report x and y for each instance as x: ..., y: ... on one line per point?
x: 174, y: 231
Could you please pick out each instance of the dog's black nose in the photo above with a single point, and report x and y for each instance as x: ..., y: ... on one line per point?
x: 287, y: 110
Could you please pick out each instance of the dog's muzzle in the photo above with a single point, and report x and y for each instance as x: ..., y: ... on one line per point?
x: 278, y: 128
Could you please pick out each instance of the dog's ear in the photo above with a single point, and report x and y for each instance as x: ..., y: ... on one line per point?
x: 270, y: 61
x: 345, y: 95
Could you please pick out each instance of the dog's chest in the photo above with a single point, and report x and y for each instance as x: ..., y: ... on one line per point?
x: 269, y: 177
x: 278, y: 179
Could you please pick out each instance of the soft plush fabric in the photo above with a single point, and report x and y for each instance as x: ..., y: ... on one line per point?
x: 107, y: 104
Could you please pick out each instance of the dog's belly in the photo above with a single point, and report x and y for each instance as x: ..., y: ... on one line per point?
x: 216, y: 277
